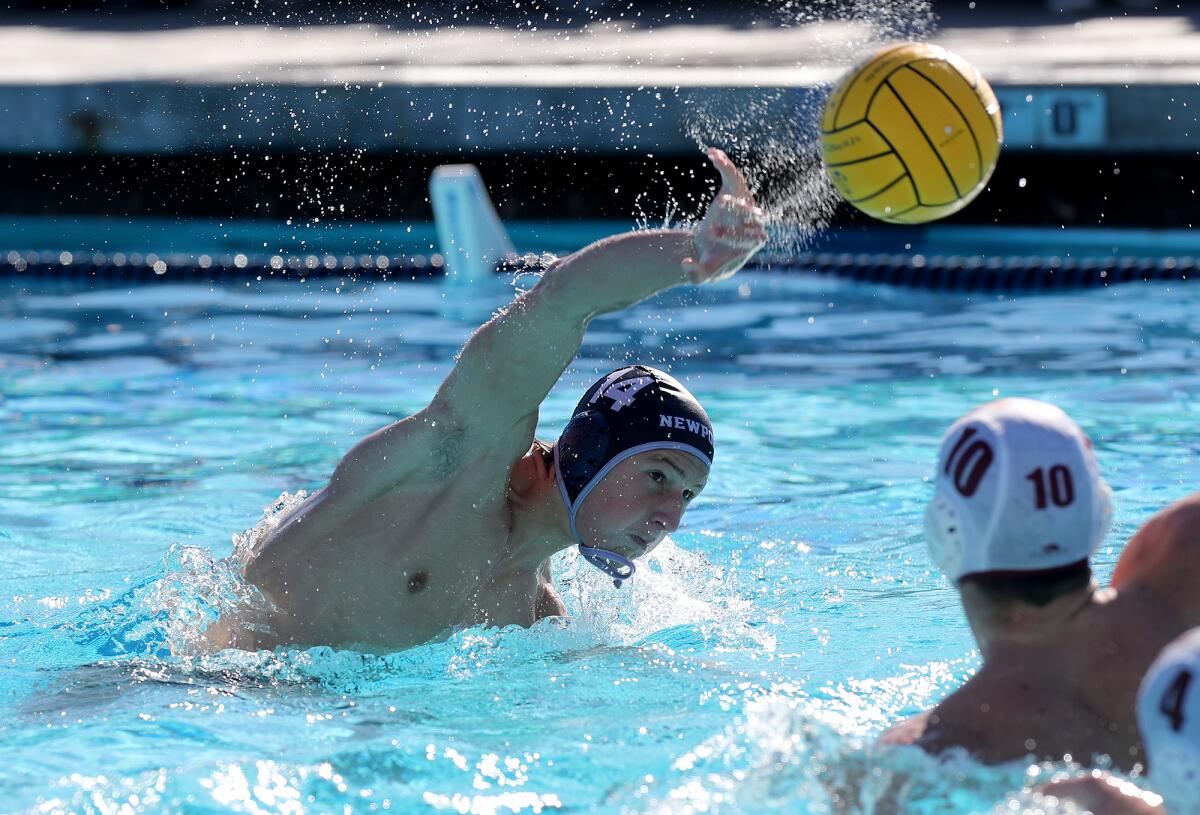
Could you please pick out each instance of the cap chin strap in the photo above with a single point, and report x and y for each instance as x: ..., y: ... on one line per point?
x: 618, y: 568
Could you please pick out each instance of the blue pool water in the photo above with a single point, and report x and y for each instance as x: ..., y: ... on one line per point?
x: 746, y: 670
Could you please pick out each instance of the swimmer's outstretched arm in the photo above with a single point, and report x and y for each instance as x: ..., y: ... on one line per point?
x: 489, y: 402
x: 510, y: 364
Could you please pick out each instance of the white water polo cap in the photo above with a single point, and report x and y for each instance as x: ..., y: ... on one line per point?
x: 1168, y: 714
x: 629, y: 411
x: 1017, y: 489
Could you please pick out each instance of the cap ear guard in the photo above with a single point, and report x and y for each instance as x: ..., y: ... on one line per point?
x: 586, y: 437
x: 944, y: 533
x: 968, y: 491
x: 1174, y: 773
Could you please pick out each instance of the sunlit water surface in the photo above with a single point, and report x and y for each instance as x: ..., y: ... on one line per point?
x: 746, y: 669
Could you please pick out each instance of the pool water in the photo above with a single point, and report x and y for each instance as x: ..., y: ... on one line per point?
x: 746, y: 669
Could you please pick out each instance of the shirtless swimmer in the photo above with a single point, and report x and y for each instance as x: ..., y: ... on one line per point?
x: 1018, y: 511
x: 449, y: 517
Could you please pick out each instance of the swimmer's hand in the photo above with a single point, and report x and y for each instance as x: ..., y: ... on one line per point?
x: 732, y: 230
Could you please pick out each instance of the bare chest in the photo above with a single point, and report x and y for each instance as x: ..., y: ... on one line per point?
x: 396, y: 572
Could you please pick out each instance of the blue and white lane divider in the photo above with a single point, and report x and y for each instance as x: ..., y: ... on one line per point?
x: 475, y: 246
x: 995, y: 273
x: 233, y: 266
x: 941, y: 273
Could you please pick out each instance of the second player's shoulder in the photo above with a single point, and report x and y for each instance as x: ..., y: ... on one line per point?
x: 979, y: 717
x: 1161, y: 560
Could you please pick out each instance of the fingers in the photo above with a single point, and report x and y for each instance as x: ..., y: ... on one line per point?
x: 732, y: 216
x: 732, y: 181
x: 731, y: 231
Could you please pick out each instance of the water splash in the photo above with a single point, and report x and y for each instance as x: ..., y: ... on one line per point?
x: 274, y: 513
x: 782, y: 755
x: 166, y: 612
x: 677, y: 599
x: 679, y: 602
x: 774, y: 134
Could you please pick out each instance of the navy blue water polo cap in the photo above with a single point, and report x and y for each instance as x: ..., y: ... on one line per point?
x: 629, y: 411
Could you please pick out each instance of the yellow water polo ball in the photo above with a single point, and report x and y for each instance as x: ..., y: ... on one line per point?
x: 911, y: 134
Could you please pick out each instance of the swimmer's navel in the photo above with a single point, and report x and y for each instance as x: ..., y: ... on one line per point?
x: 417, y: 582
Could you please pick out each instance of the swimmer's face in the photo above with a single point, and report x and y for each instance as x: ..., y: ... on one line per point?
x: 640, y: 502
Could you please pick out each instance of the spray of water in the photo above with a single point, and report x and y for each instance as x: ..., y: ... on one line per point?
x: 310, y: 113
x: 677, y: 599
x: 784, y: 752
x: 774, y: 134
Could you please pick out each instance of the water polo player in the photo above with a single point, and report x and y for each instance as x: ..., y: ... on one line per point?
x: 1018, y: 511
x: 449, y: 517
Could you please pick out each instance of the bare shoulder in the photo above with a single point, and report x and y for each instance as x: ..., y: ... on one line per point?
x: 951, y: 723
x: 549, y: 604
x: 1161, y: 559
x: 976, y: 718
x: 435, y: 445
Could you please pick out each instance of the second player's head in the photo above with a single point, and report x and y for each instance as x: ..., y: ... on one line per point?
x: 1017, y: 490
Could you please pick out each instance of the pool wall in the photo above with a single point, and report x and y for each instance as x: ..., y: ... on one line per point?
x: 250, y: 116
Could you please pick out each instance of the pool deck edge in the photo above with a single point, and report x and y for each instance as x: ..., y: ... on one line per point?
x: 1104, y: 84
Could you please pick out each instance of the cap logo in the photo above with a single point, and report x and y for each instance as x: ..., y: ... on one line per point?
x: 683, y: 423
x: 621, y: 392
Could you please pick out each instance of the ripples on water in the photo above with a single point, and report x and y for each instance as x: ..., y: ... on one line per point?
x: 746, y: 669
